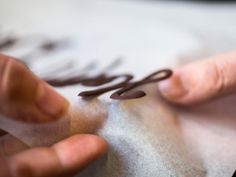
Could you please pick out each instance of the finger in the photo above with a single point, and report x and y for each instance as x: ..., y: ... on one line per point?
x: 10, y: 145
x: 25, y: 97
x: 63, y: 159
x: 202, y: 81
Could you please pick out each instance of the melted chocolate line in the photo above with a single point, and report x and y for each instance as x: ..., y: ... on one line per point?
x: 98, y: 80
x: 7, y: 43
x: 97, y: 92
x: 45, y: 48
x: 163, y: 74
x: 66, y: 82
x: 53, y: 45
x: 86, y: 81
x: 125, y: 87
x: 124, y: 94
x: 49, y: 46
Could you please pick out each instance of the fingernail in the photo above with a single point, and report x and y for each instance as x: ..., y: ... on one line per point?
x: 173, y: 88
x: 51, y: 102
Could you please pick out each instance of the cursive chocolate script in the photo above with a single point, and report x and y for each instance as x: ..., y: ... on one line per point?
x: 124, y: 93
x: 7, y: 42
x: 125, y: 87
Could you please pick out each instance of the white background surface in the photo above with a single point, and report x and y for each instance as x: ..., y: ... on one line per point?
x: 137, y: 30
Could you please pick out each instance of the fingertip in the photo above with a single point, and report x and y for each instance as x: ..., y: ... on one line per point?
x: 95, y: 146
x: 78, y: 151
x: 65, y: 158
x: 28, y: 98
x: 173, y: 89
x: 50, y: 102
x: 201, y: 81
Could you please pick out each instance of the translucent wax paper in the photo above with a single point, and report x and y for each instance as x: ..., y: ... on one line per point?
x: 147, y: 136
x: 141, y: 133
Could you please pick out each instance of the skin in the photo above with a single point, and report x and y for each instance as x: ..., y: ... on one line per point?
x: 24, y: 97
x: 201, y: 81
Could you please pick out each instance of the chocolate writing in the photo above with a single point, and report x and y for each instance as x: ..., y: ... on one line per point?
x: 7, y: 42
x: 125, y: 87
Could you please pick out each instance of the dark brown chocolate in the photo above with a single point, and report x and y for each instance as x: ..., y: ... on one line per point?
x: 125, y: 87
x: 65, y: 82
x: 48, y: 46
x: 124, y: 93
x: 7, y: 42
x: 103, y: 79
x: 52, y: 45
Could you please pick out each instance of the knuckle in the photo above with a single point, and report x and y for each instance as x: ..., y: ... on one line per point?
x: 10, y: 72
x: 219, y: 77
x: 14, y: 81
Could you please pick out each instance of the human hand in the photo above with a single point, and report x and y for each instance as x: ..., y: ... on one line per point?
x: 24, y: 97
x: 201, y: 81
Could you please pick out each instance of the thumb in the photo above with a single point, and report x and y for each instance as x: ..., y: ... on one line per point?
x: 25, y: 97
x: 65, y: 158
x: 202, y: 81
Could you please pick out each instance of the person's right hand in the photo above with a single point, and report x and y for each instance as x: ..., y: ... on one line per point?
x: 24, y: 97
x: 201, y: 81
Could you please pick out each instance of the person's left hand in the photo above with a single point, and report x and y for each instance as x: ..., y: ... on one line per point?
x: 24, y: 97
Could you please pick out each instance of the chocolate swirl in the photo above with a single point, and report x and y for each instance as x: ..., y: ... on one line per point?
x: 125, y: 87
x: 102, y: 79
x: 7, y: 42
x: 124, y: 93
